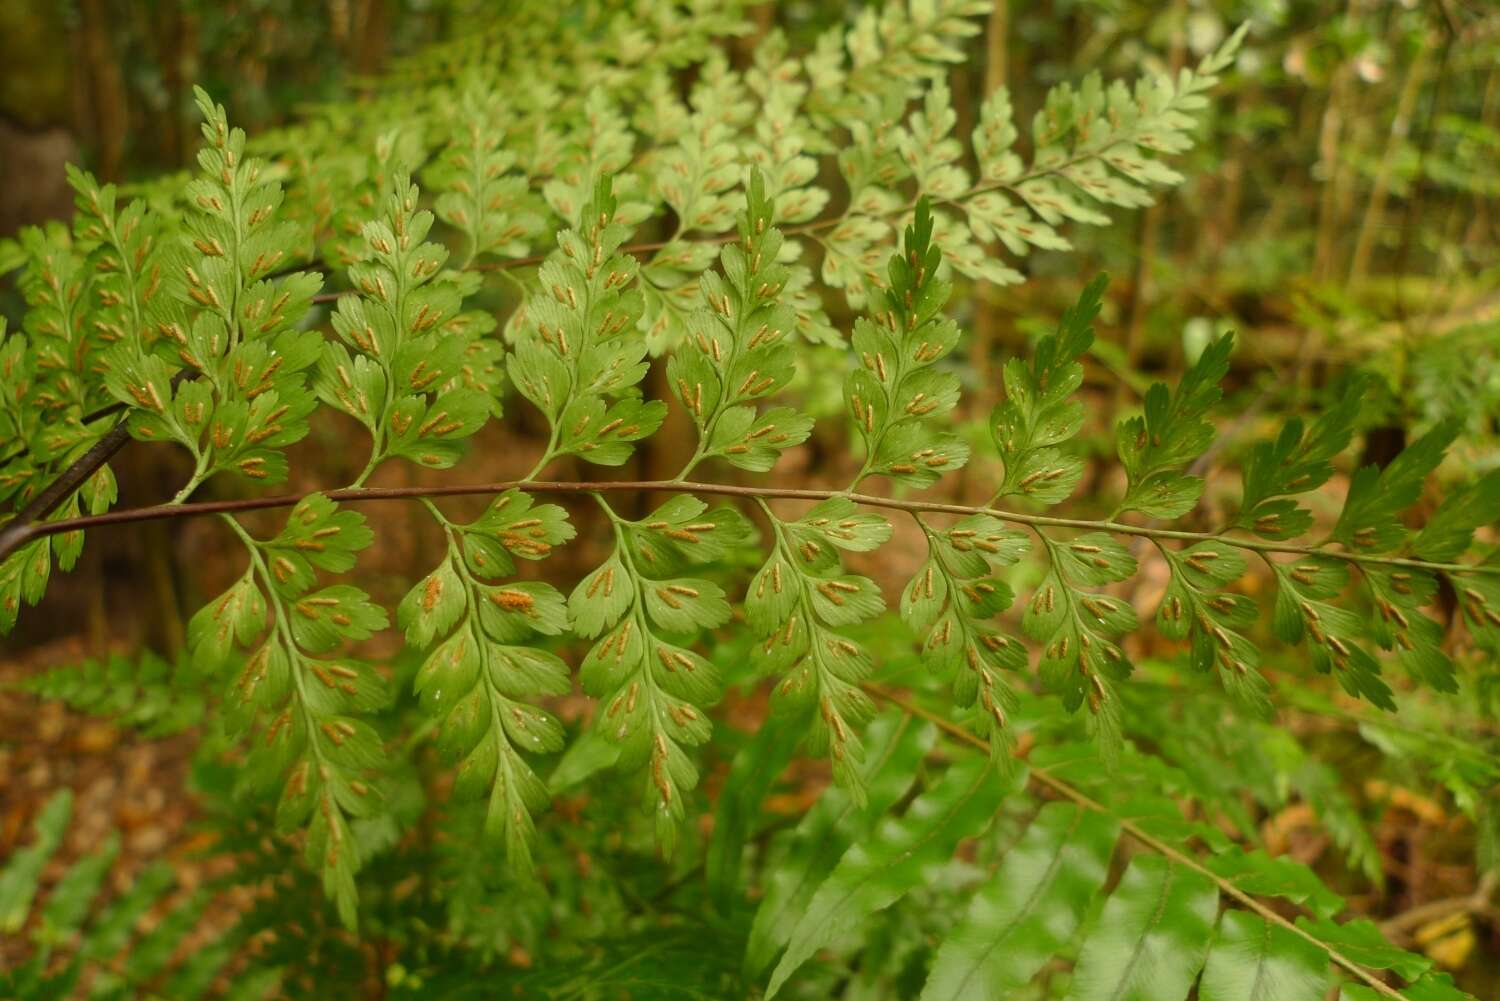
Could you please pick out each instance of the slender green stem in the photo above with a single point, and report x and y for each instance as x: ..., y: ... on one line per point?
x: 364, y: 474
x: 283, y: 629
x: 698, y: 457
x: 548, y: 454
x: 200, y: 473
x: 645, y: 676
x: 496, y: 700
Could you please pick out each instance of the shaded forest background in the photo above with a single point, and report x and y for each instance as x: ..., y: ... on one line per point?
x: 109, y: 83
x: 1340, y: 215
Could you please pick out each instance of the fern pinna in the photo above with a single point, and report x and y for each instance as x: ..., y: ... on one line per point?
x: 197, y: 312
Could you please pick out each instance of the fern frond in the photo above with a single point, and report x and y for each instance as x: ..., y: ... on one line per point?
x: 1029, y: 909
x: 1156, y: 931
x: 311, y: 746
x: 809, y: 852
x: 78, y: 943
x: 478, y: 683
x: 959, y: 805
x: 148, y: 694
x: 192, y: 307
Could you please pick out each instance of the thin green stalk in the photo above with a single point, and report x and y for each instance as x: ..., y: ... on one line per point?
x: 282, y: 628
x: 200, y: 473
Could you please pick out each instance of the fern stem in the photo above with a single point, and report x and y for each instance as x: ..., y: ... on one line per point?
x: 297, y: 661
x: 548, y: 454
x: 1045, y: 778
x: 200, y: 473
x: 364, y: 474
x: 11, y: 540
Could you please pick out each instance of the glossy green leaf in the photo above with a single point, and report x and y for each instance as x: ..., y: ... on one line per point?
x: 1028, y: 909
x: 752, y: 773
x: 1368, y: 523
x: 808, y: 853
x: 1361, y: 941
x: 1151, y: 938
x: 899, y: 855
x: 1255, y: 960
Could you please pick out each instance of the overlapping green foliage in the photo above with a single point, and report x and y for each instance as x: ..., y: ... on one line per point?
x: 192, y: 305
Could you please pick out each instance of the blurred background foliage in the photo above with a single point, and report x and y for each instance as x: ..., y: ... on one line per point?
x: 1340, y: 214
x: 108, y: 83
x: 1341, y: 208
